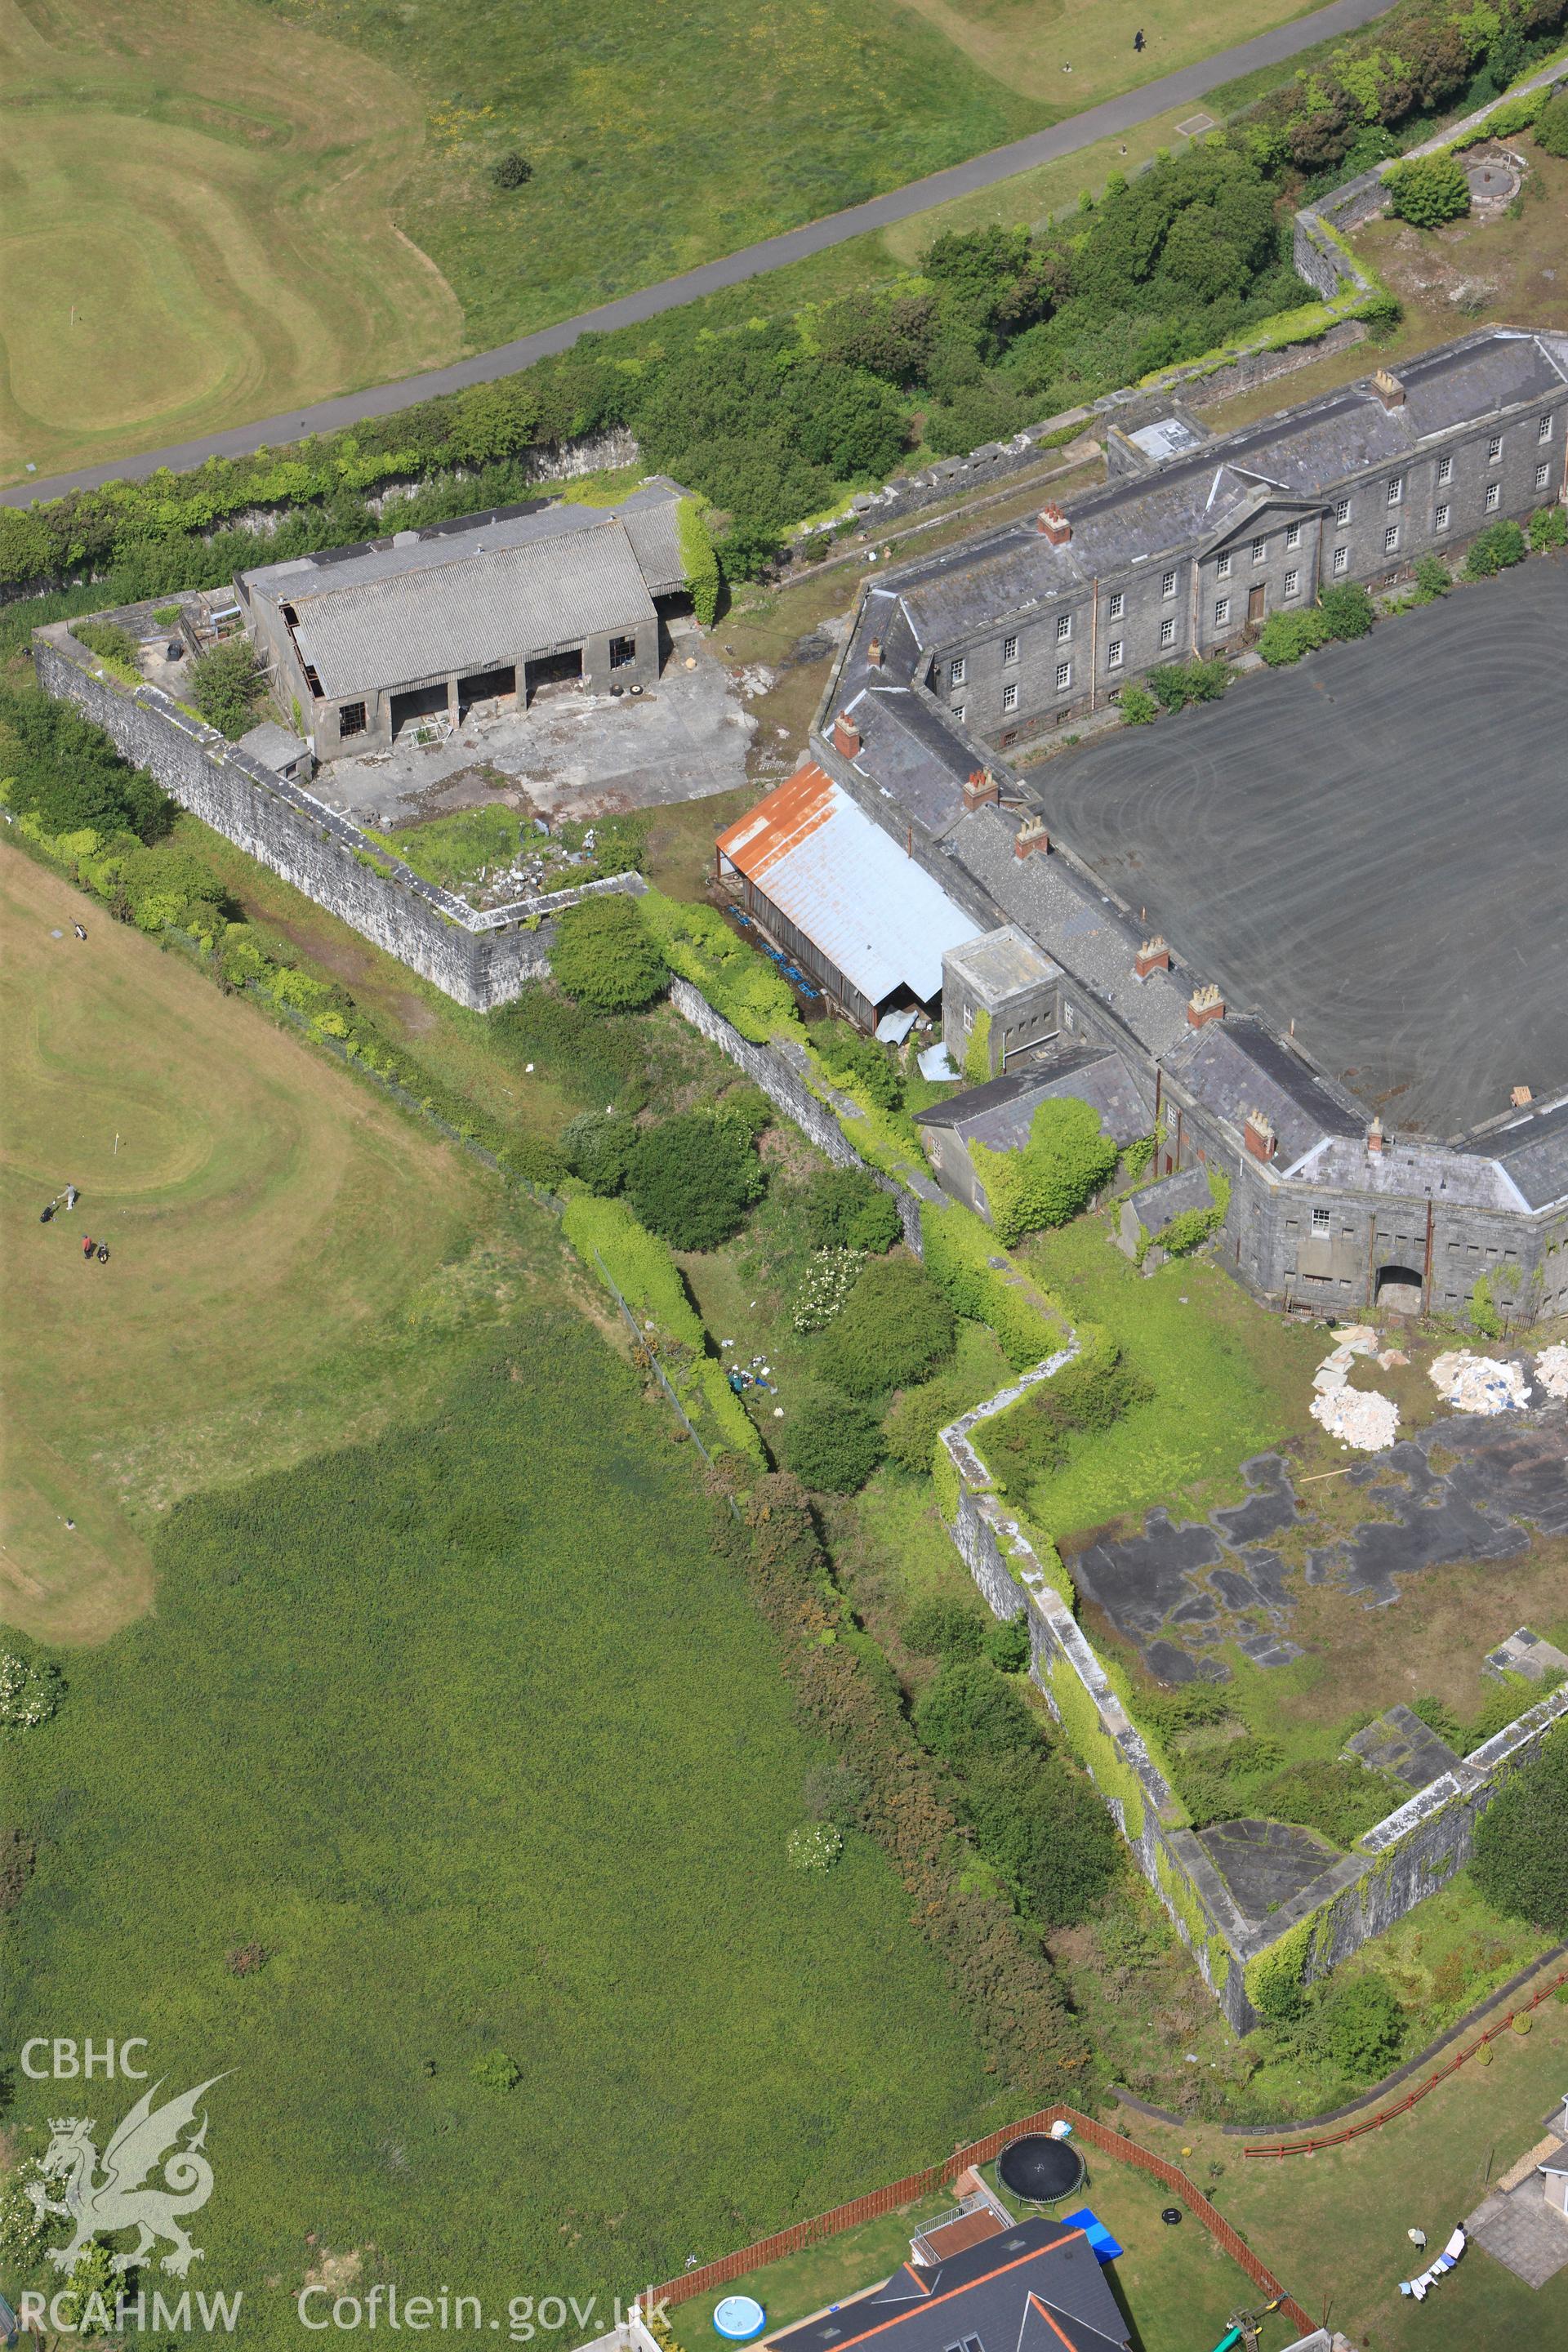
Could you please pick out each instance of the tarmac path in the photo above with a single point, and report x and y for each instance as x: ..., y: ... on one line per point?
x: 1065, y: 137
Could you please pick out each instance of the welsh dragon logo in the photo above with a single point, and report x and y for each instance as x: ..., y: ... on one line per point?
x: 114, y: 2192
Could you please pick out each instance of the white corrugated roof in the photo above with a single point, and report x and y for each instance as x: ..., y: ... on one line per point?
x: 879, y: 918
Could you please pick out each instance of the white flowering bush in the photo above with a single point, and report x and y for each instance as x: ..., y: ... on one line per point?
x: 815, y: 1845
x: 22, y: 2230
x: 829, y: 1277
x: 29, y: 1694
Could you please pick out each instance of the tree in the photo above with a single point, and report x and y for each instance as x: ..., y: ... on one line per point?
x: 895, y: 1327
x: 1551, y: 125
x: 1065, y: 1158
x: 1501, y: 544
x: 1520, y: 1862
x: 1357, y: 2025
x: 605, y: 956
x: 971, y: 1715
x: 846, y: 1207
x: 1044, y: 1829
x: 225, y: 682
x: 692, y: 1178
x: 833, y: 1444
x: 596, y: 1146
x: 1428, y: 189
x: 1347, y: 610
x: 513, y: 170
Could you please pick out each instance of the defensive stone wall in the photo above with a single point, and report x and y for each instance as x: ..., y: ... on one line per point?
x: 480, y: 960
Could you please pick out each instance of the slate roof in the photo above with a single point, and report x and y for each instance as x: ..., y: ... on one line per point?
x: 999, y: 963
x: 274, y: 746
x: 1154, y: 1205
x: 1236, y: 1066
x: 1533, y: 1153
x: 1038, y: 2288
x: 494, y: 588
x: 875, y: 915
x: 1000, y: 1113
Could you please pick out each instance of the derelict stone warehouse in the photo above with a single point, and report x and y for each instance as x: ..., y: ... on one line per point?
x: 949, y: 658
x: 364, y: 641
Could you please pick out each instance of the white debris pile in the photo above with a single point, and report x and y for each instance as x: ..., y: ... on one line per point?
x: 1473, y: 1383
x: 1552, y: 1369
x: 1358, y: 1417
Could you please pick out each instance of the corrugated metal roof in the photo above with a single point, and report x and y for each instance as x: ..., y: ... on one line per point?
x: 877, y: 916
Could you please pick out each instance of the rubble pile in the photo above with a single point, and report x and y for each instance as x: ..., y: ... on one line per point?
x: 1472, y: 1383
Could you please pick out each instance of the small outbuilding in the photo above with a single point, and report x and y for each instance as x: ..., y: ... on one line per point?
x: 1000, y: 1113
x: 1146, y: 1213
x: 840, y: 896
x: 287, y: 755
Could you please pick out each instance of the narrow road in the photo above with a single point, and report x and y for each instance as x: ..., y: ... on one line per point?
x: 1116, y: 114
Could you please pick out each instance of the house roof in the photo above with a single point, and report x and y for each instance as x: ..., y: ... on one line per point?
x: 1002, y: 963
x: 1000, y: 1113
x: 1234, y: 1067
x: 491, y: 588
x: 1036, y: 2288
x: 274, y: 746
x: 875, y: 915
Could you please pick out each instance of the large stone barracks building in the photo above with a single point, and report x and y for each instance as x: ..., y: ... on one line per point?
x: 1191, y: 543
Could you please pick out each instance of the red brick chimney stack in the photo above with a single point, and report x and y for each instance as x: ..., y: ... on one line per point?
x: 1031, y: 838
x: 1203, y: 1005
x: 874, y: 653
x: 980, y: 786
x: 1388, y: 388
x: 846, y: 736
x: 1375, y: 1136
x: 1259, y: 1137
x: 1152, y: 956
x: 1054, y: 525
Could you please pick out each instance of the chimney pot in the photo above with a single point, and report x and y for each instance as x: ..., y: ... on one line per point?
x: 1375, y: 1136
x: 1032, y: 836
x: 1054, y: 525
x: 1388, y: 388
x: 874, y: 653
x: 1203, y: 1005
x: 846, y: 736
x: 1259, y: 1135
x: 1152, y: 956
x: 980, y: 786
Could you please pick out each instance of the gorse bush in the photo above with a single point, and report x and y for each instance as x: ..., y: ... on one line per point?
x: 691, y: 1178
x: 894, y: 1328
x: 971, y: 1715
x: 606, y: 956
x: 941, y: 1628
x: 596, y: 1146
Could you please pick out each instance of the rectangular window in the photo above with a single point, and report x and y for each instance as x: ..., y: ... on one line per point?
x: 1168, y: 585
x: 1440, y: 519
x: 1064, y: 627
x: 1064, y: 676
x: 1118, y: 606
x: 1494, y: 448
x: 1293, y: 534
x: 623, y: 652
x: 1541, y: 474
x: 955, y: 672
x: 1391, y: 539
x: 1167, y: 633
x: 350, y: 719
x: 1494, y: 491
x: 1320, y: 1221
x: 1292, y: 583
x: 1221, y: 612
x: 1395, y: 488
x: 1009, y: 698
x: 1543, y: 430
x: 968, y: 1019
x: 1341, y: 510
x: 959, y: 709
x: 1113, y: 653
x: 1341, y: 557
x: 1009, y: 649
x: 1258, y: 547
x: 1445, y: 469
x: 1222, y: 568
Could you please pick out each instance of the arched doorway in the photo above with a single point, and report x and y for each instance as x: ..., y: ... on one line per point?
x: 1398, y: 1290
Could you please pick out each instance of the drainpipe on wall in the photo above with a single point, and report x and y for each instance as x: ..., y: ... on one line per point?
x: 1427, y: 1270
x: 1197, y: 568
x: 1093, y: 643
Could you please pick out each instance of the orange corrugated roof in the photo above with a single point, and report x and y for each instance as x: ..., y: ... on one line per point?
x: 775, y: 826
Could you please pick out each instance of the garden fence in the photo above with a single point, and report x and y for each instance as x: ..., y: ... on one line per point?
x: 1544, y: 1991
x: 877, y: 2202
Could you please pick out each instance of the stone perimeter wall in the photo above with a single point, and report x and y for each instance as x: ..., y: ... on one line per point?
x: 1404, y: 1858
x: 481, y: 960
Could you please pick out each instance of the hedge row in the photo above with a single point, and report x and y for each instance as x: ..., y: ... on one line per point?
x: 964, y: 1259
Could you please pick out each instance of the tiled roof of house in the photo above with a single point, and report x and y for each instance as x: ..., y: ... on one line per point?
x: 1036, y: 2288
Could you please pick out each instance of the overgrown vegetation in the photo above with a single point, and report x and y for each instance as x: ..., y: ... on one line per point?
x: 225, y: 686
x: 1064, y: 1162
x: 1521, y: 1856
x: 1088, y: 1396
x: 1223, y: 1770
x: 605, y: 957
x: 1428, y: 191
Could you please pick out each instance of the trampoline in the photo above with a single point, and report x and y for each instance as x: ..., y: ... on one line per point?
x: 1039, y: 2170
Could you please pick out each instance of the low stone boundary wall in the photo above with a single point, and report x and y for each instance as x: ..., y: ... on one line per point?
x: 481, y: 959
x: 767, y: 1068
x: 1404, y: 1857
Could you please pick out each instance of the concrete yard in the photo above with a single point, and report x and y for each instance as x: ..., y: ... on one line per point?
x: 1373, y: 844
x: 572, y: 753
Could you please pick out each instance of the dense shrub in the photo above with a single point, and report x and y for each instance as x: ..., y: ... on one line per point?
x: 58, y: 767
x: 1501, y: 544
x: 1286, y: 637
x: 917, y: 1415
x: 226, y: 682
x: 939, y: 1627
x: 859, y: 1062
x: 1043, y: 1827
x: 511, y: 170
x: 1548, y: 531
x: 1091, y: 1393
x: 1551, y: 125
x: 594, y: 1061
x: 895, y: 1328
x: 606, y: 956
x: 846, y: 1207
x: 833, y: 1444
x: 596, y: 1146
x: 692, y: 1178
x: 1177, y: 683
x: 1428, y: 189
x: 1357, y: 2024
x: 115, y: 647
x: 1008, y: 1644
x: 971, y: 1715
x: 698, y: 944
x: 1433, y: 579
x: 1521, y: 1854
x: 1138, y: 706
x: 959, y: 1254
x: 1339, y: 1800
x: 1347, y: 611
x: 1065, y: 1161
x: 835, y: 1792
